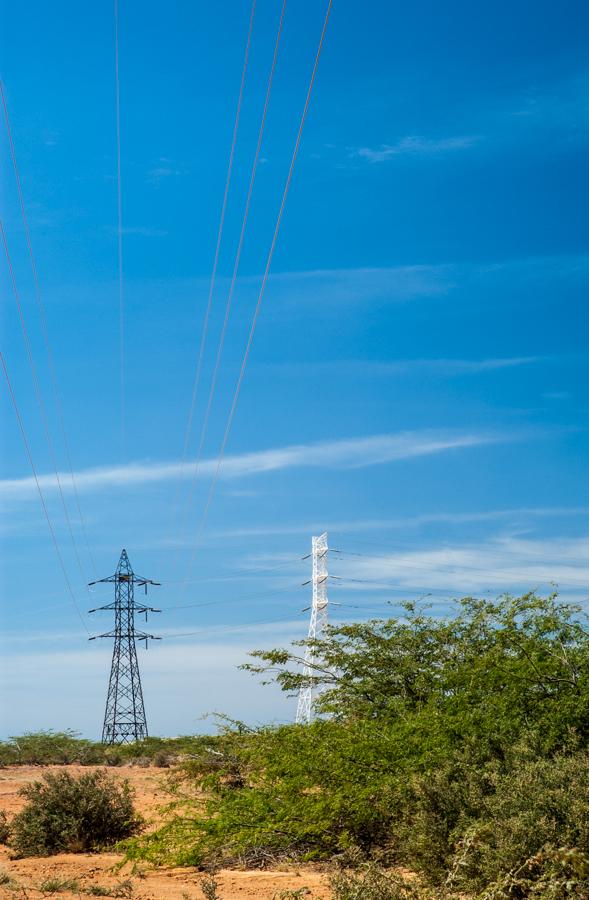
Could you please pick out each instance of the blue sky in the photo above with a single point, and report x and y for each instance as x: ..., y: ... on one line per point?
x: 418, y: 380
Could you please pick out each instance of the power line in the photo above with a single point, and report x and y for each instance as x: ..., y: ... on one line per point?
x: 411, y: 545
x: 262, y: 288
x: 39, y: 395
x: 43, y: 320
x: 205, y: 327
x: 40, y: 492
x: 237, y: 261
x: 456, y: 568
x: 238, y: 573
x: 243, y: 626
x: 251, y: 598
x: 120, y: 231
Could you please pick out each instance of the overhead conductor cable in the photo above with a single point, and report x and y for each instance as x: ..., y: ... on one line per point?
x: 44, y: 328
x: 40, y: 492
x: 221, y: 344
x: 231, y: 416
x: 205, y: 327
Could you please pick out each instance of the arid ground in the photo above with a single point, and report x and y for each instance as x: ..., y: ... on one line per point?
x: 106, y: 870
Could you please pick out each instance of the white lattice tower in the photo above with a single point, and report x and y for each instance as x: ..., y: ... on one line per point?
x: 317, y: 622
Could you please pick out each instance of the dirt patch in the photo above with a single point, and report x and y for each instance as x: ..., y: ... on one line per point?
x: 103, y: 870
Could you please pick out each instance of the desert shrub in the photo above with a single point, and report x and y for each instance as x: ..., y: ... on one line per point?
x: 161, y: 759
x: 561, y: 874
x: 297, y: 894
x: 57, y: 885
x: 49, y: 748
x: 4, y: 828
x: 375, y: 884
x: 533, y: 811
x: 124, y: 889
x: 210, y: 888
x: 67, y: 747
x: 455, y: 746
x: 66, y: 814
x: 6, y: 880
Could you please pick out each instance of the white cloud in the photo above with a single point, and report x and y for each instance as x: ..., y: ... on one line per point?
x: 343, y: 454
x: 164, y: 168
x: 413, y: 145
x: 496, y: 565
x: 169, y: 669
x: 353, y: 526
x: 441, y: 367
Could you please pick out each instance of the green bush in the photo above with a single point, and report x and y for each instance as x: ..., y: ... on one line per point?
x: 374, y: 884
x: 67, y: 814
x: 67, y: 747
x: 533, y: 811
x: 456, y: 747
x: 58, y: 886
x: 4, y: 828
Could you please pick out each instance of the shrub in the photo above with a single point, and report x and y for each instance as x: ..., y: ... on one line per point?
x: 456, y: 746
x: 210, y: 888
x: 161, y: 760
x: 374, y: 884
x: 57, y: 885
x: 533, y: 812
x: 6, y: 880
x: 4, y: 828
x: 67, y: 814
x: 124, y: 889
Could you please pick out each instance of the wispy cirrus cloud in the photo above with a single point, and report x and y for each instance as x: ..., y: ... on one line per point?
x: 499, y: 564
x: 414, y: 145
x: 516, y: 515
x: 163, y: 169
x: 443, y: 367
x: 342, y: 454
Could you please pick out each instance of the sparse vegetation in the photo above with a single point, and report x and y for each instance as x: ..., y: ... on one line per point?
x: 58, y: 885
x: 124, y: 889
x: 210, y: 888
x: 298, y: 894
x: 374, y: 884
x: 6, y: 880
x: 455, y: 747
x: 67, y: 814
x: 64, y: 748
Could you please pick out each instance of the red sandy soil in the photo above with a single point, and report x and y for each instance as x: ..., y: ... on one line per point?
x: 107, y: 870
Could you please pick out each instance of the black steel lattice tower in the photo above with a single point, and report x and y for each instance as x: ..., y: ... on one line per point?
x: 124, y: 718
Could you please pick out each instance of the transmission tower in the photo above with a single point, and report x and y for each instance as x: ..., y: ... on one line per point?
x: 124, y: 718
x: 317, y: 623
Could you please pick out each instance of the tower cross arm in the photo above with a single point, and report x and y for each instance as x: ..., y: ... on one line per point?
x: 99, y: 608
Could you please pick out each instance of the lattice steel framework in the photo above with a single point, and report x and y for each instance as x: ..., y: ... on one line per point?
x: 317, y: 623
x: 124, y: 718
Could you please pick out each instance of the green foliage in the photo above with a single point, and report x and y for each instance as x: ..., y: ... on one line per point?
x: 57, y: 885
x: 210, y: 888
x: 457, y: 747
x: 298, y: 894
x: 66, y: 814
x: 6, y: 880
x: 548, y: 875
x: 67, y: 747
x: 531, y: 812
x: 374, y: 884
x: 4, y: 828
x: 46, y: 747
x: 124, y: 889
